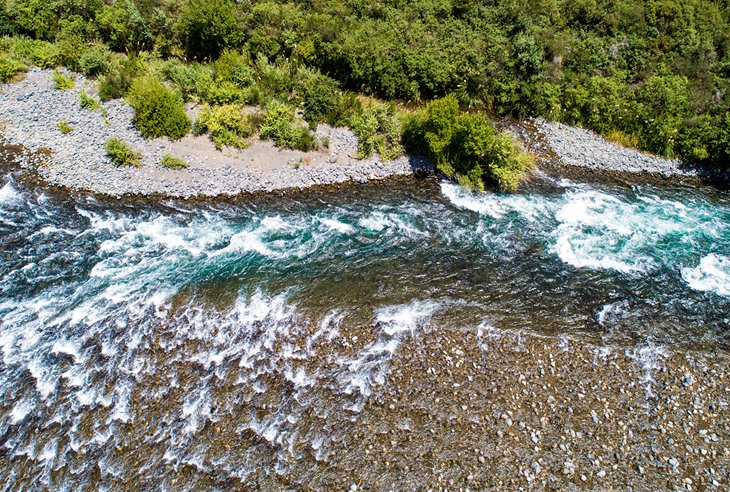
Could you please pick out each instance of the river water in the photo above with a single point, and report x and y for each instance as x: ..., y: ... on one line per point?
x: 205, y: 346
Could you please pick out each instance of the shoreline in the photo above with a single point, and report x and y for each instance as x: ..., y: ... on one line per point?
x: 31, y: 108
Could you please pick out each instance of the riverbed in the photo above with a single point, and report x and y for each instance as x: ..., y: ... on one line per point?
x: 402, y: 335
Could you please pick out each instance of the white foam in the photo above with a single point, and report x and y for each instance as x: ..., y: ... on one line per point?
x: 711, y: 275
x: 336, y: 225
x: 44, y: 382
x: 21, y: 410
x: 406, y: 317
x: 9, y: 195
x: 367, y: 371
x: 246, y: 241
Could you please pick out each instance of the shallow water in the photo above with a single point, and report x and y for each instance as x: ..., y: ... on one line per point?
x: 134, y: 336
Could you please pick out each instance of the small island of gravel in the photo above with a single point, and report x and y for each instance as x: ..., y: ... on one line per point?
x: 31, y: 109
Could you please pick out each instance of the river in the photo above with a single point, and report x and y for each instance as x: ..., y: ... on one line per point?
x: 192, y: 346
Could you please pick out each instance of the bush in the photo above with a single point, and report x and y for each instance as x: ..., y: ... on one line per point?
x: 122, y: 154
x: 9, y: 68
x: 118, y: 80
x: 278, y: 125
x: 64, y: 127
x: 188, y: 79
x: 95, y: 61
x: 40, y: 53
x: 173, y: 162
x: 207, y: 27
x: 465, y: 146
x: 158, y: 111
x: 63, y: 82
x: 378, y: 129
x: 322, y: 101
x: 226, y: 125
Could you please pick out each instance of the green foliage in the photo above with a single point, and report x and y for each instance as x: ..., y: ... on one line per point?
x: 34, y: 52
x: 122, y: 154
x: 172, y: 162
x: 95, y: 61
x: 465, y: 146
x: 655, y: 73
x: 87, y: 101
x: 378, y: 129
x: 63, y: 82
x: 158, y: 111
x: 278, y: 125
x: 9, y: 68
x: 324, y: 102
x: 207, y: 27
x: 119, y: 78
x: 64, y: 127
x: 226, y: 125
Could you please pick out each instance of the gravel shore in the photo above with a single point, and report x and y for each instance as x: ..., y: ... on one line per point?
x: 31, y: 109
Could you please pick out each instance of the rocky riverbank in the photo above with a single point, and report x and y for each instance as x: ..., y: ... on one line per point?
x: 31, y: 109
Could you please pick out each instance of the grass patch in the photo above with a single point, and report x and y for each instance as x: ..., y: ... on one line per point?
x: 87, y: 101
x: 618, y: 137
x: 63, y: 82
x: 122, y: 154
x: 64, y: 127
x: 171, y: 162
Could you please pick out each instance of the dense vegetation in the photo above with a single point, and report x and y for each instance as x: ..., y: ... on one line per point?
x: 648, y: 73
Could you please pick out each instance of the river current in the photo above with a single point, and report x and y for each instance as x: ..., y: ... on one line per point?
x: 237, y: 340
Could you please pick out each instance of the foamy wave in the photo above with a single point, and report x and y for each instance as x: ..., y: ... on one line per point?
x: 367, y: 371
x: 9, y: 195
x: 711, y: 275
x: 599, y: 231
x: 336, y: 225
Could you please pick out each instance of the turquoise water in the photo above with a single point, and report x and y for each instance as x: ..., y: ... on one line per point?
x: 133, y: 325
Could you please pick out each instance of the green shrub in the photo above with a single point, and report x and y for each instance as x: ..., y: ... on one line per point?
x: 9, y: 68
x: 378, y: 129
x: 233, y: 66
x: 226, y: 125
x: 63, y: 82
x: 466, y: 147
x: 278, y: 125
x: 64, y: 127
x: 87, y: 101
x: 40, y: 53
x: 122, y: 154
x: 172, y: 162
x: 117, y: 81
x: 207, y: 27
x: 158, y: 111
x: 322, y: 101
x: 95, y: 61
x: 188, y: 79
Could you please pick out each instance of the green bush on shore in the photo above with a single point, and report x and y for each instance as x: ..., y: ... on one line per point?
x: 378, y: 129
x: 9, y: 68
x: 226, y: 125
x: 121, y: 154
x: 278, y: 125
x: 466, y: 147
x: 158, y: 111
x: 87, y: 101
x: 119, y: 77
x: 172, y: 162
